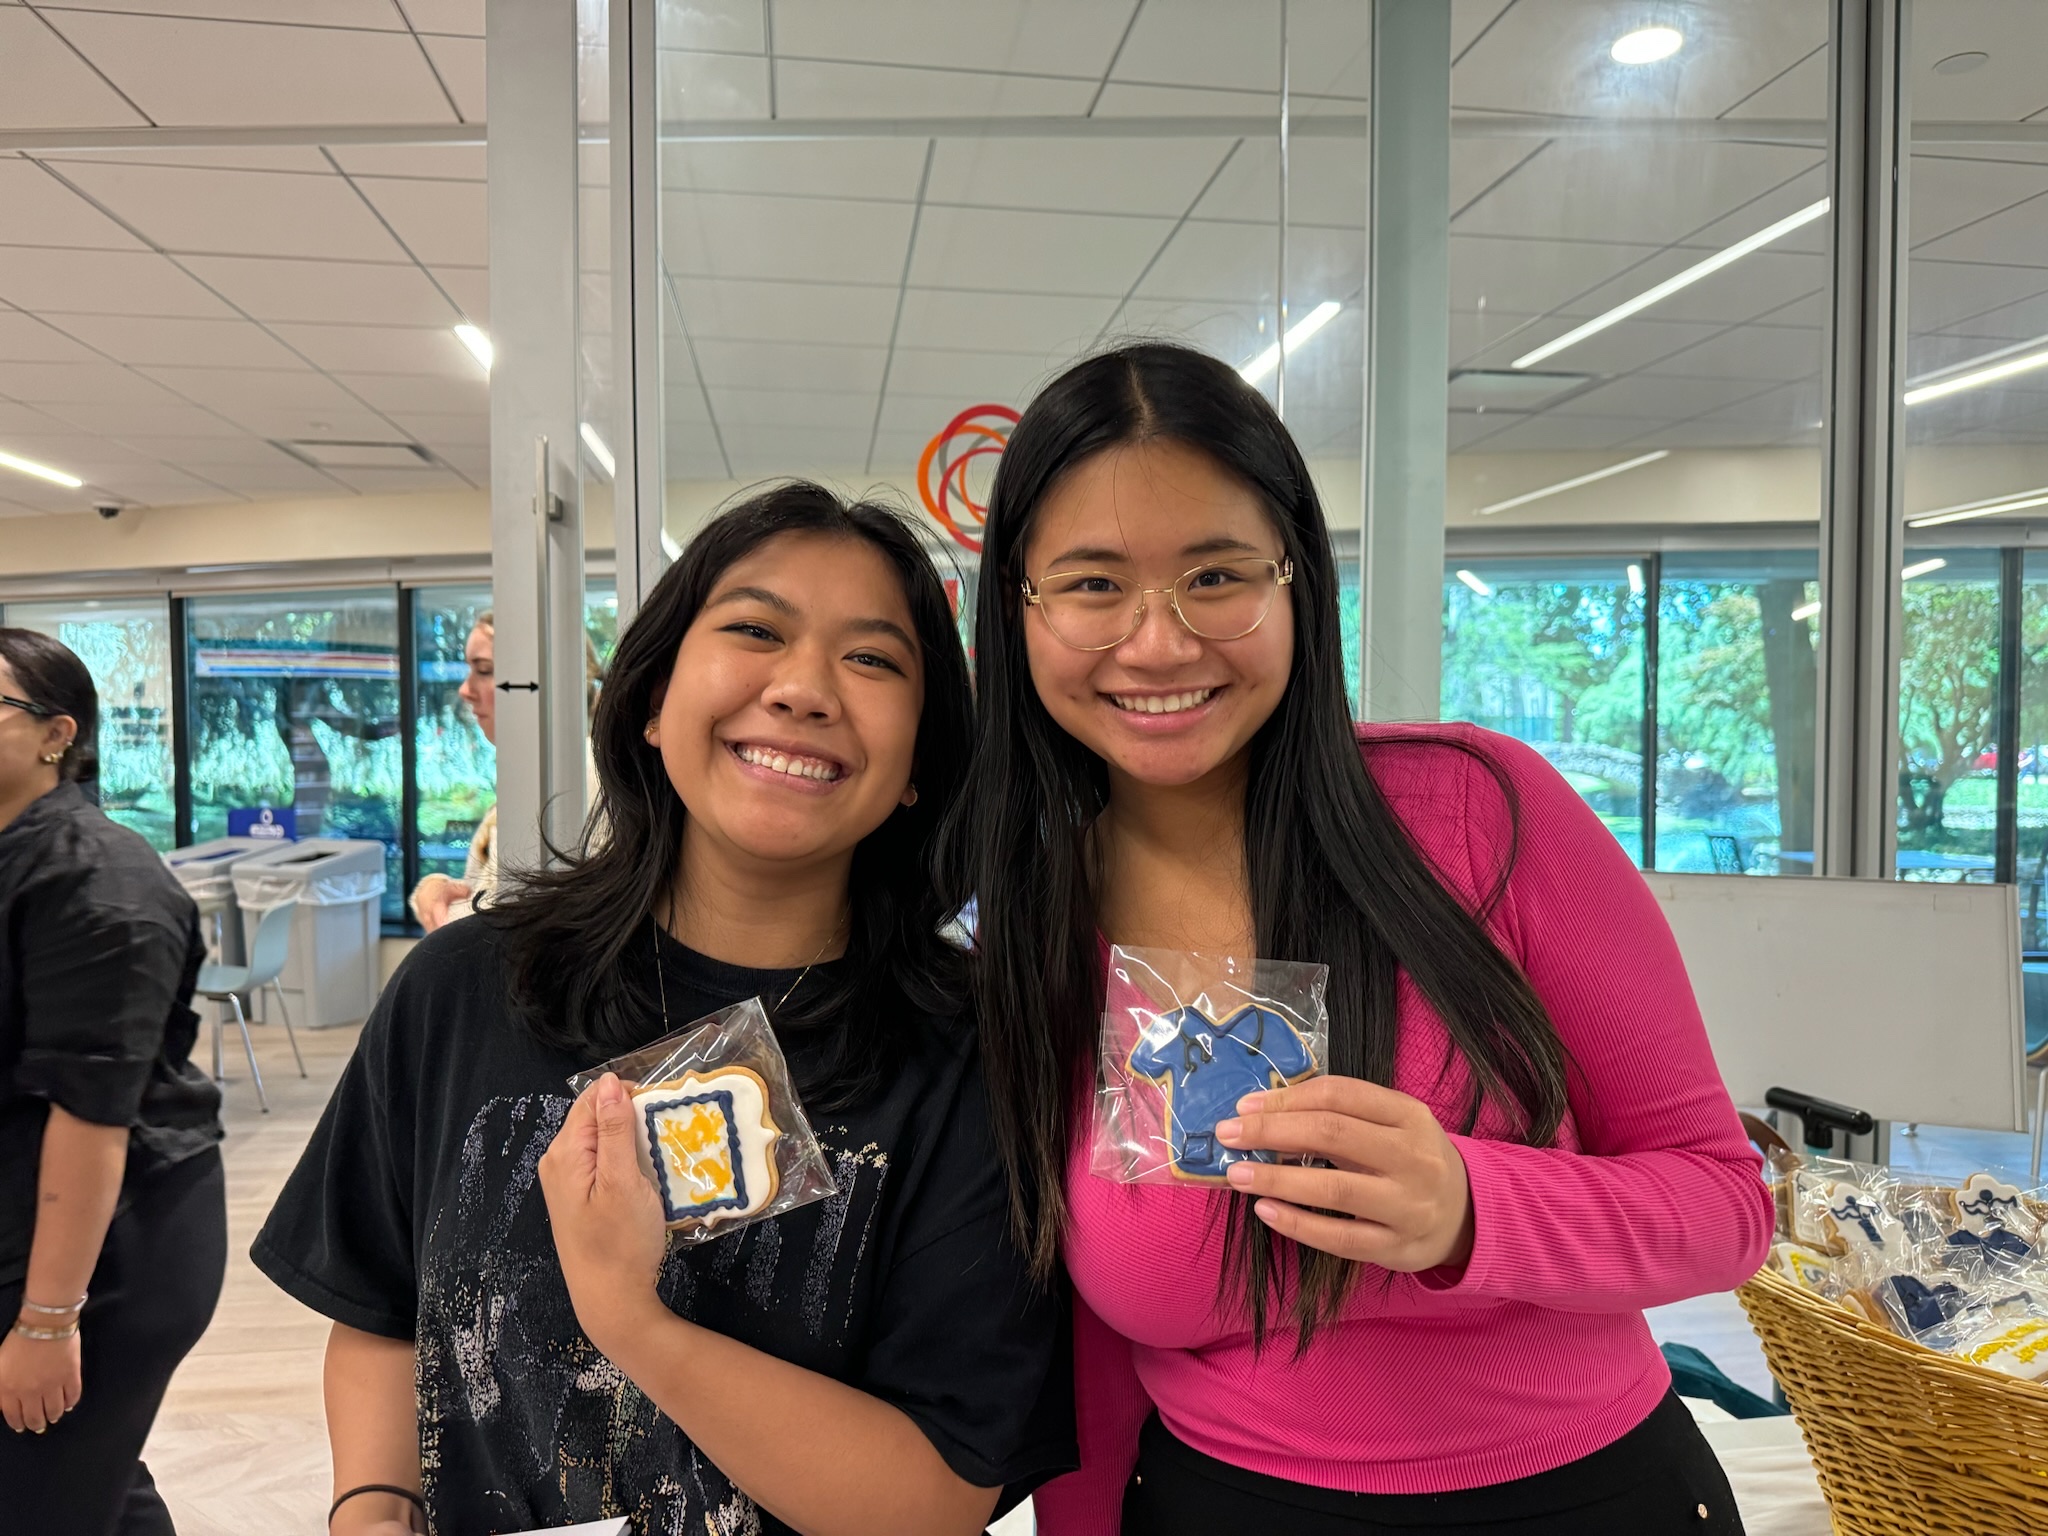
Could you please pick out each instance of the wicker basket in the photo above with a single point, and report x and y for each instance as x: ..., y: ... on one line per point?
x: 1907, y: 1441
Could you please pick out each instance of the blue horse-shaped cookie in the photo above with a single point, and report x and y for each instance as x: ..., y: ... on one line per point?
x: 1204, y: 1068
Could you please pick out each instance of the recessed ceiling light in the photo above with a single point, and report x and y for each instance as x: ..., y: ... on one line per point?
x: 1575, y: 482
x: 331, y: 453
x: 598, y: 450
x: 1257, y: 369
x: 1646, y: 45
x: 1474, y: 583
x: 1671, y: 285
x: 40, y: 471
x: 478, y: 343
x: 1961, y: 63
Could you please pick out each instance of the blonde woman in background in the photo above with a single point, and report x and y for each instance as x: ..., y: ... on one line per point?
x: 438, y: 898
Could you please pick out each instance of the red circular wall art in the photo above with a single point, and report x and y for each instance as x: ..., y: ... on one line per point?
x: 980, y: 431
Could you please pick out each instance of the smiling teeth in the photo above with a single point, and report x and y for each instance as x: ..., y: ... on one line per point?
x: 1161, y: 704
x: 782, y: 762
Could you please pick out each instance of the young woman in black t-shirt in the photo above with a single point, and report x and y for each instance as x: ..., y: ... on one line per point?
x: 515, y: 1345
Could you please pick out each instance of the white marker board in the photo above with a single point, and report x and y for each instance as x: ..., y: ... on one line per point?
x: 1899, y: 997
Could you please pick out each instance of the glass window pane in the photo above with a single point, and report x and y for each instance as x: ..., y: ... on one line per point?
x: 1551, y: 653
x: 455, y: 763
x: 1948, y: 716
x: 294, y: 703
x: 1736, y: 679
x: 126, y: 645
x: 2031, y: 868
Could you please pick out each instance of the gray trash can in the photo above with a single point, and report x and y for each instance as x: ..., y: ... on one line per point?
x: 338, y: 883
x: 206, y: 870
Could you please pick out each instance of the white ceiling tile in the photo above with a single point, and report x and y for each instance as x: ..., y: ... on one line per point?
x: 1758, y: 285
x: 414, y: 392
x: 179, y: 343
x: 1532, y: 277
x: 1155, y: 176
x: 43, y: 84
x: 15, y: 417
x: 733, y: 26
x: 382, y: 349
x: 887, y: 169
x: 1124, y: 100
x: 210, y: 72
x: 83, y: 457
x: 757, y: 452
x: 159, y: 485
x: 1329, y: 51
x: 1042, y: 252
x: 1776, y: 352
x: 387, y: 482
x: 796, y: 408
x: 1547, y: 432
x: 459, y: 61
x: 1657, y: 398
x: 1003, y: 322
x: 1800, y: 92
x: 723, y: 235
x: 445, y: 430
x: 239, y: 213
x: 1949, y: 193
x: 241, y: 157
x: 1326, y: 184
x: 209, y: 454
x: 733, y: 309
x: 43, y: 211
x: 1230, y: 263
x: 1234, y: 332
x: 775, y: 365
x: 470, y: 288
x: 423, y: 162
x: 287, y: 478
x: 956, y: 379
x: 805, y: 89
x: 53, y: 383
x: 362, y: 15
x: 1234, y: 43
x: 348, y: 292
x: 460, y: 18
x: 2013, y: 237
x: 2007, y: 319
x: 1060, y: 37
x: 125, y: 420
x: 25, y: 339
x: 441, y: 222
x: 711, y: 87
x: 232, y: 391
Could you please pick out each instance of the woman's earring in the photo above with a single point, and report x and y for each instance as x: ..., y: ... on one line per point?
x: 653, y: 730
x: 910, y: 797
x: 53, y: 757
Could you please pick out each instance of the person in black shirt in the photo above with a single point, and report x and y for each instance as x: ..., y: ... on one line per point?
x: 516, y: 1346
x: 113, y: 1212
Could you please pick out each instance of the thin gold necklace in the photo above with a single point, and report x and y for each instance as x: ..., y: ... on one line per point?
x: 661, y: 971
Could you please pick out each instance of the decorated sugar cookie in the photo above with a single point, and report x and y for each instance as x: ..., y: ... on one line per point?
x: 2016, y: 1348
x: 708, y: 1142
x: 1858, y: 1225
x: 1806, y: 1267
x: 1984, y: 1202
x: 1203, y: 1068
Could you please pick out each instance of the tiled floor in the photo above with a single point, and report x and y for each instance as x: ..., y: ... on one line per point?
x: 240, y: 1446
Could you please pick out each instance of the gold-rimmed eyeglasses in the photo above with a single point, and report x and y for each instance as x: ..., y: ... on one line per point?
x: 1100, y: 610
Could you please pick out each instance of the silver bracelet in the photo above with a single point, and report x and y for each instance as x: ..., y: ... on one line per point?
x: 36, y: 1306
x: 46, y: 1335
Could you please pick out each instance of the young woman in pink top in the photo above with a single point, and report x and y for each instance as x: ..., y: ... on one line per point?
x: 1524, y: 1138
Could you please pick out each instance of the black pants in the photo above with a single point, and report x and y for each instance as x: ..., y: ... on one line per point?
x: 1659, y: 1479
x: 153, y: 1294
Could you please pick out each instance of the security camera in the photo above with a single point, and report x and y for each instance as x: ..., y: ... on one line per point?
x: 109, y: 510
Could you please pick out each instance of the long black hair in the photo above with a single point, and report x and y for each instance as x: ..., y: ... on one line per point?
x: 53, y: 678
x: 575, y: 931
x: 1333, y: 875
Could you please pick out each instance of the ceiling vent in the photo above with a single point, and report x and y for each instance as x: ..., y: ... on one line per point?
x: 331, y: 453
x: 1502, y: 389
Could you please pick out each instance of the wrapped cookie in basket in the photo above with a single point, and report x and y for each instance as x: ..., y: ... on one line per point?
x: 721, y: 1135
x: 1184, y: 1037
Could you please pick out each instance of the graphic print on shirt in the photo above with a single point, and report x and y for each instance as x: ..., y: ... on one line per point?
x: 512, y: 1393
x: 1203, y: 1068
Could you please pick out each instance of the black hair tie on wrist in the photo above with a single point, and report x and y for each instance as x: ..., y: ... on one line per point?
x: 404, y: 1493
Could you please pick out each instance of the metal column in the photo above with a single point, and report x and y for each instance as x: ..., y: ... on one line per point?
x: 637, y: 485
x: 1861, y: 537
x: 536, y: 509
x: 1407, y: 364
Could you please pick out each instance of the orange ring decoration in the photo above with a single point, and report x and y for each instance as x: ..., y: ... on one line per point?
x: 941, y: 493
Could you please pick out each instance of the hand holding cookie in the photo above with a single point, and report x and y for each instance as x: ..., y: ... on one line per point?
x: 607, y: 1218
x: 1396, y: 1183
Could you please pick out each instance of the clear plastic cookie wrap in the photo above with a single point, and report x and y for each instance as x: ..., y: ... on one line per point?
x: 1184, y: 1037
x: 722, y: 1137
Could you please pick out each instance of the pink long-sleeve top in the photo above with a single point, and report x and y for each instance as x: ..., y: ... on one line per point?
x: 1536, y: 1352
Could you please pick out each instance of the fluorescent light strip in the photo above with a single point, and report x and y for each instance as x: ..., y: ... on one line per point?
x: 40, y: 471
x: 1805, y: 611
x: 1635, y: 580
x: 1922, y: 569
x: 1574, y: 483
x: 1257, y: 369
x: 1671, y: 285
x: 1978, y: 378
x: 1474, y: 583
x: 598, y: 451
x: 2013, y: 501
x: 478, y: 343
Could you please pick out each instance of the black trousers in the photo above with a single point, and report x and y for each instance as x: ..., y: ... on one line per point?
x: 152, y: 1295
x: 1659, y: 1479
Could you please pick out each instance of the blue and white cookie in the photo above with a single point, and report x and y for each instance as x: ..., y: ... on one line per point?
x: 1858, y: 1225
x: 707, y: 1140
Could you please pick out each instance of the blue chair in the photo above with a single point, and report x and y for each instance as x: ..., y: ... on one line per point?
x: 227, y: 984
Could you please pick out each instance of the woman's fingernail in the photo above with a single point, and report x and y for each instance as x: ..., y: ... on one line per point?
x: 609, y: 1090
x: 1229, y: 1130
x: 1239, y: 1174
x: 1250, y: 1103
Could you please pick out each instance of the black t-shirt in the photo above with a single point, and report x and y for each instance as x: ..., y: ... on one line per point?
x: 416, y: 1213
x: 99, y: 949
